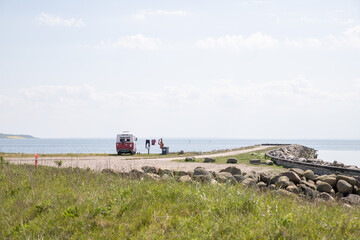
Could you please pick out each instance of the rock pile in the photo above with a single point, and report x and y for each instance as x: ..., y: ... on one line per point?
x: 301, y: 153
x: 294, y: 181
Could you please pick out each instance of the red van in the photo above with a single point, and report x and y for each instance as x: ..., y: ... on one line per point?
x: 125, y: 143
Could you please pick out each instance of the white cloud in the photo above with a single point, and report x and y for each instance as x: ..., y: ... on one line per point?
x: 138, y: 41
x: 308, y: 42
x: 350, y: 38
x: 52, y: 20
x: 143, y: 13
x: 255, y: 41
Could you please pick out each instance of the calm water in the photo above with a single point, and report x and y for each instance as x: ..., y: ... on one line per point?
x: 346, y: 151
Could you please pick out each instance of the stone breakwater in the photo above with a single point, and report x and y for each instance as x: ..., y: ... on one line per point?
x: 295, y: 182
x: 298, y: 156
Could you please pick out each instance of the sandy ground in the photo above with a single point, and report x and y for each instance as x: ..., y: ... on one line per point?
x: 126, y: 163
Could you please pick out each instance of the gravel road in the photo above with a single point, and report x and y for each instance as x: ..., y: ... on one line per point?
x: 126, y: 163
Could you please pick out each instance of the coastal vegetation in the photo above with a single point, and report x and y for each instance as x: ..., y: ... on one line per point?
x: 15, y: 136
x: 65, y: 203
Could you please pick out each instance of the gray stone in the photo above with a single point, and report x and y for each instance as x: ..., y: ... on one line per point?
x: 269, y: 162
x: 166, y: 177
x: 180, y: 173
x: 150, y: 169
x: 232, y: 170
x: 238, y: 178
x: 255, y: 161
x: 325, y: 196
x: 328, y: 179
x: 352, y: 199
x: 348, y: 179
x: 185, y: 179
x: 209, y: 160
x: 190, y: 159
x: 152, y: 176
x: 282, y: 182
x: 308, y: 191
x: 293, y: 189
x: 166, y: 171
x: 261, y: 185
x: 292, y: 176
x: 225, y: 177
x: 298, y: 171
x: 134, y: 173
x: 254, y: 175
x: 191, y: 173
x: 309, y: 174
x: 274, y: 178
x: 232, y: 160
x: 266, y: 177
x: 310, y: 185
x: 272, y: 187
x: 202, y: 175
x: 249, y: 182
x: 344, y: 187
x: 323, y: 187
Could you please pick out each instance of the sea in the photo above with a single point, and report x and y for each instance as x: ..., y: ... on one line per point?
x: 345, y: 151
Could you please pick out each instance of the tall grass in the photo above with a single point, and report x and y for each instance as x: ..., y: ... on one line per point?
x: 68, y: 203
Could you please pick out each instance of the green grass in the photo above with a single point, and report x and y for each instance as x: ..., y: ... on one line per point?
x: 68, y: 203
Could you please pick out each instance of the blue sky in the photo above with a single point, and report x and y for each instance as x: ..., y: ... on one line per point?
x: 234, y: 69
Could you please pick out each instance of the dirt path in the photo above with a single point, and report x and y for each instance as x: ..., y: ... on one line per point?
x: 125, y: 163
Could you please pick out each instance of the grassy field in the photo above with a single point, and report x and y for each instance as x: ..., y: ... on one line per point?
x: 73, y: 203
x: 243, y: 157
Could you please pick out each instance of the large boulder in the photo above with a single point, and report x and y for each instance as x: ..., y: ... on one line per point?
x: 239, y: 178
x: 185, y: 179
x: 190, y: 159
x: 255, y: 161
x: 323, y: 187
x: 274, y: 178
x: 292, y: 176
x: 232, y: 160
x: 325, y: 196
x: 328, y: 179
x: 152, y: 176
x: 180, y: 173
x: 309, y: 174
x: 209, y: 160
x: 166, y: 171
x: 293, y: 189
x: 150, y: 169
x: 225, y: 177
x: 134, y: 173
x: 269, y: 162
x: 166, y: 177
x: 308, y: 191
x: 249, y: 182
x: 283, y: 182
x: 266, y: 177
x: 232, y: 170
x: 308, y: 184
x: 254, y: 175
x: 348, y: 179
x: 261, y: 185
x: 298, y: 171
x: 202, y: 175
x: 352, y: 199
x: 344, y: 187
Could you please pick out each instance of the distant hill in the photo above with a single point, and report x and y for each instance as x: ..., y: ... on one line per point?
x: 15, y: 136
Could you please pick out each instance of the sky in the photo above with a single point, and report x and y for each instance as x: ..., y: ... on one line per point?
x: 216, y: 69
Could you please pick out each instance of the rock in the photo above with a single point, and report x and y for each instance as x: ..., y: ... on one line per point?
x: 352, y: 199
x: 269, y: 162
x: 190, y: 173
x: 166, y: 171
x: 266, y: 177
x: 209, y: 160
x: 292, y: 176
x: 232, y: 160
x: 202, y: 175
x: 238, y: 178
x: 356, y: 190
x: 328, y: 179
x: 272, y: 187
x: 298, y: 171
x: 283, y: 192
x: 344, y: 187
x: 190, y: 159
x: 255, y: 161
x: 150, y: 169
x: 293, y: 189
x: 134, y: 173
x: 282, y: 182
x: 309, y: 174
x: 323, y: 187
x: 152, y: 176
x: 180, y: 173
x: 213, y: 182
x: 274, y: 178
x: 254, y: 175
x: 348, y: 179
x: 214, y: 174
x: 232, y: 170
x: 166, y: 177
x: 248, y: 182
x: 185, y: 179
x: 225, y: 177
x: 308, y: 191
x: 261, y: 185
x: 325, y: 196
x: 303, y: 179
x: 310, y: 185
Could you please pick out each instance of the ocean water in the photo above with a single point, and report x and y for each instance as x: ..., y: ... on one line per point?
x: 346, y: 151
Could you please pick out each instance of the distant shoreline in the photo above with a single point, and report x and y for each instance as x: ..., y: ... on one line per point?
x: 15, y: 136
